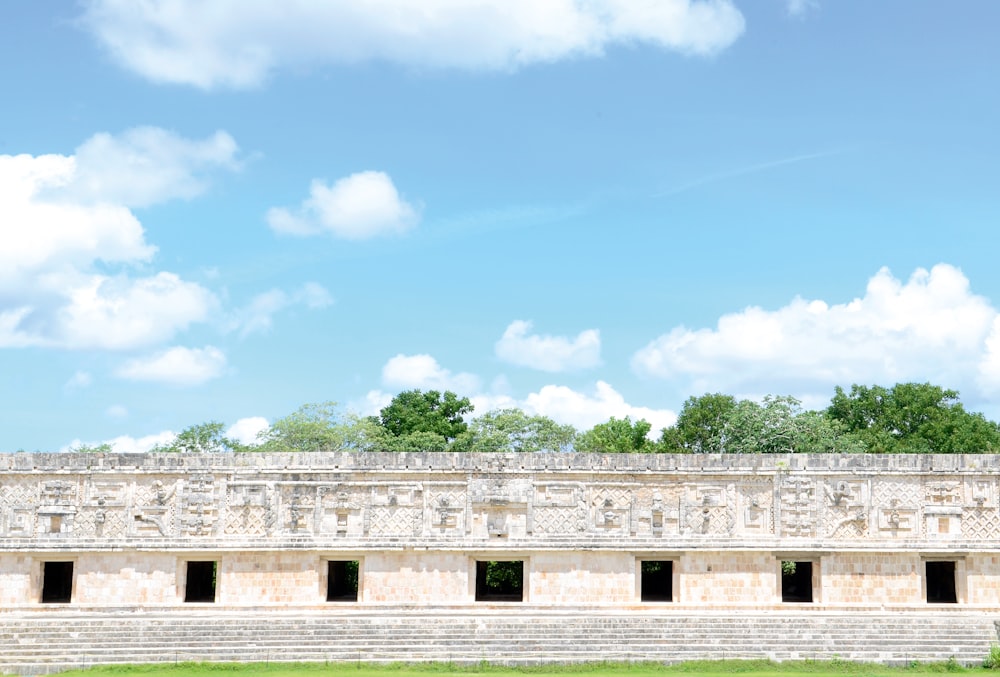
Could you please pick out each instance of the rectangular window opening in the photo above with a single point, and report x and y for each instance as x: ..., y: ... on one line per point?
x: 941, y: 583
x: 796, y: 581
x: 57, y: 582
x: 342, y: 581
x: 201, y: 581
x: 656, y: 583
x: 500, y: 581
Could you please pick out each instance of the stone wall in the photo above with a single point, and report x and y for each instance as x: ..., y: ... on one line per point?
x: 865, y: 525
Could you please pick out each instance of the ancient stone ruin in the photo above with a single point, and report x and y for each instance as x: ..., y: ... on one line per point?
x: 642, y: 537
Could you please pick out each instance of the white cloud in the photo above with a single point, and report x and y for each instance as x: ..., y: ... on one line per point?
x: 564, y: 405
x: 80, y: 379
x: 116, y: 411
x: 176, y: 366
x: 357, y: 207
x: 237, y: 43
x: 246, y: 430
x: 146, y: 165
x: 930, y: 328
x: 126, y: 444
x: 258, y: 315
x: 423, y: 372
x: 800, y: 7
x: 63, y: 216
x: 549, y: 353
x: 585, y: 410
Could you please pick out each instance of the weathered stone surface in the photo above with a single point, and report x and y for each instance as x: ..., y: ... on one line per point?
x: 417, y: 523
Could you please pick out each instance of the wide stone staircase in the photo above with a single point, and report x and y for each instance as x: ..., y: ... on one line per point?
x: 39, y: 643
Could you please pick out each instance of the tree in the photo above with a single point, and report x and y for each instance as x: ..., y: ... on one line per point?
x: 414, y: 411
x: 912, y: 418
x: 203, y: 438
x: 616, y: 435
x: 715, y: 423
x: 511, y: 430
x: 319, y: 427
x: 102, y: 448
x: 701, y: 425
x: 779, y: 425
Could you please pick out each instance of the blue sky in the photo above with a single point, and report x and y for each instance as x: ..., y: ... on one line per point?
x: 225, y: 210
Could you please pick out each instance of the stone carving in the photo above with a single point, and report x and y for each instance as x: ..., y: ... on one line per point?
x: 396, y: 510
x: 59, y: 506
x: 341, y: 510
x: 798, y: 506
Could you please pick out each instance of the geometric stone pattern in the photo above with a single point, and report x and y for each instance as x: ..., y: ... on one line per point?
x: 908, y: 503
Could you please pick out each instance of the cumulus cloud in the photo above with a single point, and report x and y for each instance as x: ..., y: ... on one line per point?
x: 116, y: 411
x: 145, y: 166
x: 583, y: 410
x: 258, y: 315
x: 357, y: 207
x: 237, y: 43
x: 80, y: 379
x: 800, y: 7
x: 126, y: 444
x: 63, y: 216
x: 245, y: 430
x: 178, y: 366
x: 548, y: 353
x: 423, y: 372
x: 929, y: 328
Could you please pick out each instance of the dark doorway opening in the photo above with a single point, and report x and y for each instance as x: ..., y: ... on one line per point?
x: 941, y: 583
x: 500, y: 581
x: 796, y: 581
x: 201, y: 578
x: 656, y: 582
x: 57, y: 582
x: 342, y: 581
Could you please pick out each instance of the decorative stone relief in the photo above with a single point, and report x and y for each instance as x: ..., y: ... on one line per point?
x: 18, y: 502
x: 297, y: 512
x: 199, y: 507
x: 396, y: 510
x: 756, y: 512
x: 249, y: 509
x: 611, y: 509
x: 152, y: 515
x: 846, y: 509
x: 103, y: 511
x: 446, y: 514
x: 500, y: 507
x: 340, y: 510
x: 559, y: 508
x: 798, y: 506
x: 57, y: 509
x: 706, y: 509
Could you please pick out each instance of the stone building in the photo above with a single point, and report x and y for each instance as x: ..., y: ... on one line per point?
x: 645, y: 535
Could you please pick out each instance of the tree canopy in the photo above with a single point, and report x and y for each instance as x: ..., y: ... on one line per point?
x: 904, y: 418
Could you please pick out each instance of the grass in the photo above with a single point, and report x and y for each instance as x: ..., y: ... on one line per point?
x: 761, y: 668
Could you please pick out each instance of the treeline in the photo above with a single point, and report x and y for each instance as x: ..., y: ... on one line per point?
x: 906, y: 418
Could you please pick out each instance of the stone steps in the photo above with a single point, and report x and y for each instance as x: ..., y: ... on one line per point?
x: 37, y: 644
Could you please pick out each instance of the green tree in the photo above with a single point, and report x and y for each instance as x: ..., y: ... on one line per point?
x: 203, y: 438
x: 102, y: 448
x: 616, y: 435
x: 320, y: 427
x: 512, y: 430
x: 912, y: 418
x: 414, y: 411
x: 701, y: 425
x: 779, y: 425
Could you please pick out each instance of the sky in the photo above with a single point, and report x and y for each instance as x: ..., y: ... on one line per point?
x: 584, y: 208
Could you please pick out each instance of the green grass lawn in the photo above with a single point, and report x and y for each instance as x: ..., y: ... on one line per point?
x: 692, y: 669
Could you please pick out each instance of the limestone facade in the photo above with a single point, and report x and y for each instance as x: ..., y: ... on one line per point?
x: 860, y: 531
